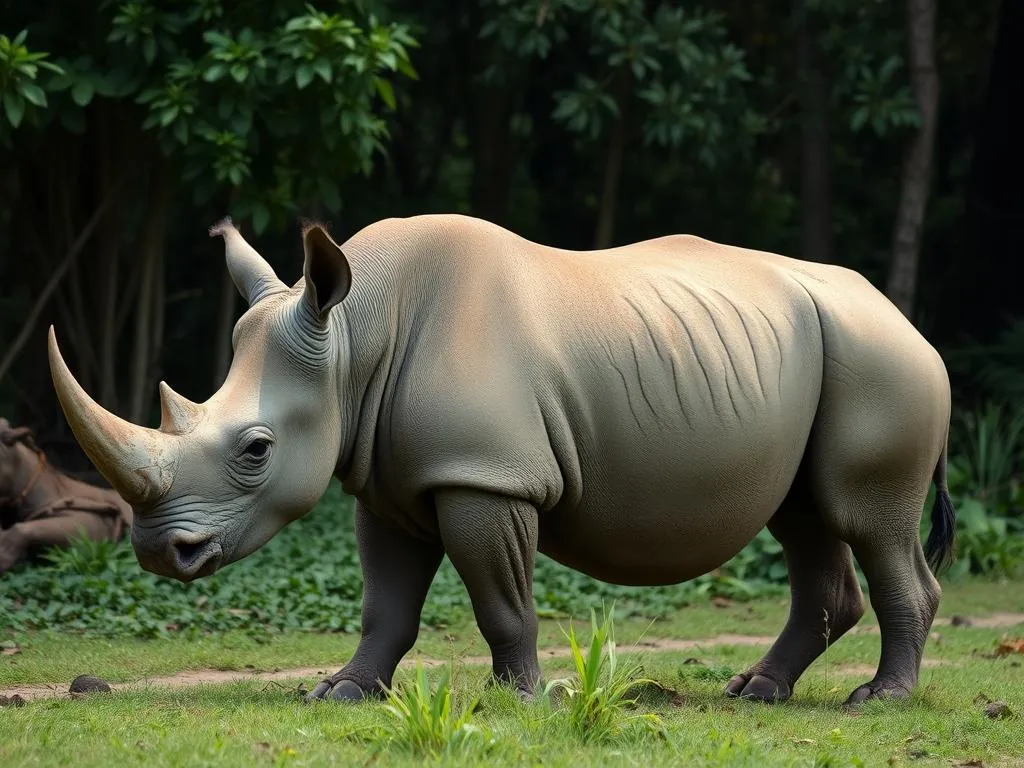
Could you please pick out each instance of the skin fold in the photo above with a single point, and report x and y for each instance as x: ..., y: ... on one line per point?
x: 637, y: 413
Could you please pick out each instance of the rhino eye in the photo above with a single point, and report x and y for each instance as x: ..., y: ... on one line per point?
x: 258, y: 448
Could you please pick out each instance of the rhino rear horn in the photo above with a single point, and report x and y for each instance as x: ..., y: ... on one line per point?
x: 178, y: 415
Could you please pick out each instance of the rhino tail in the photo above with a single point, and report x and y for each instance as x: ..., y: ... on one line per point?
x: 939, y: 549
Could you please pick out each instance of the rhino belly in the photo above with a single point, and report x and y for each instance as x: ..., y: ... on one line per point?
x: 664, y: 522
x: 666, y: 500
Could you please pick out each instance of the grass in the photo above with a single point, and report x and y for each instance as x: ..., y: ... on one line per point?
x: 295, y: 604
x: 50, y: 656
x: 596, y: 696
x: 260, y: 723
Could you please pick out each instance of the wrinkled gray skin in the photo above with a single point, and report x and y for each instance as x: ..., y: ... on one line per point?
x: 638, y: 414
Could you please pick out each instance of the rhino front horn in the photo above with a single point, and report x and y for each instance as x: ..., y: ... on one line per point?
x: 138, y: 462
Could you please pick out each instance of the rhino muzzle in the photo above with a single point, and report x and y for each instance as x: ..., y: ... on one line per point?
x: 137, y: 461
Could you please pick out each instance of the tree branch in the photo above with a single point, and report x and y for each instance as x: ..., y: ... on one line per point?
x: 51, y: 286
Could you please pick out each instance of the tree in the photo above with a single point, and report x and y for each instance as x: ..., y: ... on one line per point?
x: 902, y: 283
x: 259, y: 110
x: 651, y: 70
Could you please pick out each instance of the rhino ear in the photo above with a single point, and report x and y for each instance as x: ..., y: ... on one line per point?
x: 327, y: 273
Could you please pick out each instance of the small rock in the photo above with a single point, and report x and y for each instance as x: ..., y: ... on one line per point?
x: 12, y: 701
x: 997, y: 710
x: 89, y: 684
x: 961, y: 621
x: 9, y: 648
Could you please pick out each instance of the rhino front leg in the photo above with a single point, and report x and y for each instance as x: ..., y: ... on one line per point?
x: 397, y: 572
x: 492, y: 542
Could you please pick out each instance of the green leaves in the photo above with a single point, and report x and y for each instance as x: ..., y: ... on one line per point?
x: 586, y: 109
x: 14, y: 107
x: 599, y: 693
x: 19, y: 72
x: 671, y: 68
x: 424, y: 721
x: 223, y: 83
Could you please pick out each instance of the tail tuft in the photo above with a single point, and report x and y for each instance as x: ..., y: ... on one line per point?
x: 939, y: 550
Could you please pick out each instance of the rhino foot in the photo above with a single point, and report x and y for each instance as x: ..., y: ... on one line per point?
x: 758, y: 687
x: 877, y: 689
x: 341, y: 690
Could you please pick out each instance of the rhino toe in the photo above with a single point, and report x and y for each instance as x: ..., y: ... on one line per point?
x: 758, y: 688
x: 346, y: 690
x: 338, y: 690
x: 318, y: 692
x: 876, y: 690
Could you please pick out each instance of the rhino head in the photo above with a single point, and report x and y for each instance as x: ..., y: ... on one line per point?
x: 218, y: 479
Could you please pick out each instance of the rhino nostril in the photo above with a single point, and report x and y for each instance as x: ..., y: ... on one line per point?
x: 189, y: 553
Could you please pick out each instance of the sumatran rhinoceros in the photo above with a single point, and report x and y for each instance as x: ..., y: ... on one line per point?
x: 637, y: 414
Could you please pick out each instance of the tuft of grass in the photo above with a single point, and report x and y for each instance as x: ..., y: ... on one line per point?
x: 598, y: 695
x: 424, y: 721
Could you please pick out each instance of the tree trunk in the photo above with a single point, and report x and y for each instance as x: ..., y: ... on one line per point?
x: 225, y: 324
x: 983, y: 287
x: 76, y: 318
x: 156, y: 343
x: 608, y: 209
x: 924, y: 78
x: 151, y: 257
x: 55, y: 277
x: 109, y: 258
x: 815, y: 170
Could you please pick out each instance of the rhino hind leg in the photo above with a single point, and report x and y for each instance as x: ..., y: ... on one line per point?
x: 905, y: 597
x: 826, y: 601
x: 872, y: 462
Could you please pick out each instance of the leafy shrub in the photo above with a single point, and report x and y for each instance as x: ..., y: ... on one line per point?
x: 996, y: 368
x: 598, y: 695
x: 424, y: 721
x: 985, y: 482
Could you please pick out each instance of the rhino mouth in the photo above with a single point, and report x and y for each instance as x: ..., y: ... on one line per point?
x: 177, y: 554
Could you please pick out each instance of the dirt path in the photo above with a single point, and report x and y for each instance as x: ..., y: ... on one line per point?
x: 311, y: 674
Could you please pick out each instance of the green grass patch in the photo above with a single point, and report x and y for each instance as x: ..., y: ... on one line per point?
x: 50, y: 656
x: 448, y: 715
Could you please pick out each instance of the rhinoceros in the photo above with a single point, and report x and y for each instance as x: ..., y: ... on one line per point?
x: 638, y: 414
